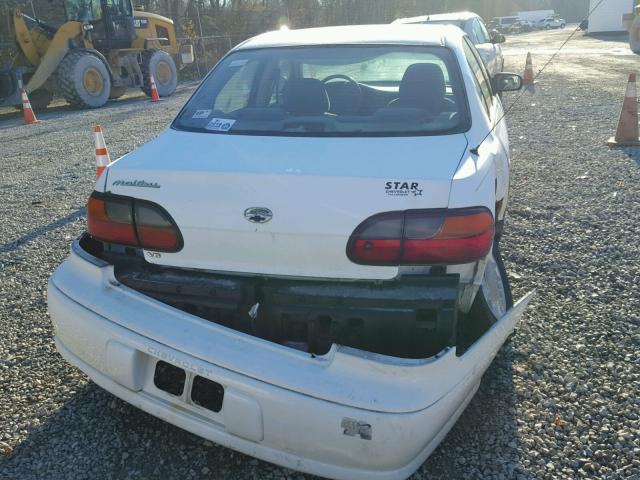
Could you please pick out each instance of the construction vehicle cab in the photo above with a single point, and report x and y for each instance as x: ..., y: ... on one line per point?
x: 103, y: 48
x: 112, y: 21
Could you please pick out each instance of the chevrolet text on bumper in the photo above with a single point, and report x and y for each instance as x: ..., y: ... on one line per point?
x: 346, y: 414
x: 306, y: 266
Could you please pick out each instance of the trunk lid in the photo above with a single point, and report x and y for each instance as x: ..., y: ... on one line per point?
x: 317, y: 190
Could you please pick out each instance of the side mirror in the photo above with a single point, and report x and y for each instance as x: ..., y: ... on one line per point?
x: 497, y: 37
x: 506, y: 82
x: 186, y: 54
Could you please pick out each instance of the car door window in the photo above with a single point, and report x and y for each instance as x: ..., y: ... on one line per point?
x: 479, y: 33
x: 484, y: 70
x: 485, y: 32
x: 483, y: 85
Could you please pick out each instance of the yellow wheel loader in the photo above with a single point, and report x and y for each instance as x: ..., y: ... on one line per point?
x: 103, y: 48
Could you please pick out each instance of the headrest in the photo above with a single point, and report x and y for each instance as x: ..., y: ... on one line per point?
x: 422, y: 86
x: 305, y: 96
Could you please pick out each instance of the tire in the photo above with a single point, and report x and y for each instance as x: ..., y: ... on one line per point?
x: 40, y: 99
x: 116, y: 92
x: 634, y: 35
x: 84, y: 80
x: 493, y: 299
x: 159, y: 64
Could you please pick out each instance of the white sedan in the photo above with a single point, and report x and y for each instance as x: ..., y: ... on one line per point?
x: 487, y: 44
x: 305, y: 266
x: 551, y: 22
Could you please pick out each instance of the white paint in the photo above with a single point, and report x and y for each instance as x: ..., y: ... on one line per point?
x: 318, y: 188
x: 535, y: 15
x: 283, y: 405
x: 290, y: 403
x: 607, y: 17
x: 470, y: 23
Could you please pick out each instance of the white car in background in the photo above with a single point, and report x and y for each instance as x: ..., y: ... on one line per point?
x: 488, y: 44
x: 305, y: 266
x: 551, y: 22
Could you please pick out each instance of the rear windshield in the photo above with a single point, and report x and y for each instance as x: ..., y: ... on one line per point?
x: 331, y: 91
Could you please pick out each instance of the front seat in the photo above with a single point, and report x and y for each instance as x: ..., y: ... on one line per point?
x: 423, y: 87
x: 305, y: 97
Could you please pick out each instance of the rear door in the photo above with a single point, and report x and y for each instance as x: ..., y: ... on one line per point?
x: 491, y: 54
x: 495, y: 113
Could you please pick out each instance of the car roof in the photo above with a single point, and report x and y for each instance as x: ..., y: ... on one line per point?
x: 456, y: 16
x: 392, y: 34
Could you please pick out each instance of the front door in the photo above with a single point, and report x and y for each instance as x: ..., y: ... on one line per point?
x: 117, y: 29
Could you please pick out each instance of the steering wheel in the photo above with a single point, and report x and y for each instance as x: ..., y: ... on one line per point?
x: 353, y: 86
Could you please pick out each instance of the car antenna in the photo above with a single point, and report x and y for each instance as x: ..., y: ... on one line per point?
x: 475, y: 150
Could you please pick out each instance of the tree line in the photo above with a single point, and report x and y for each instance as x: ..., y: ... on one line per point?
x: 240, y: 19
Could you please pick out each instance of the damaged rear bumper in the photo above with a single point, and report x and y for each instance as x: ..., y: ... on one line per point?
x: 346, y: 414
x: 415, y: 317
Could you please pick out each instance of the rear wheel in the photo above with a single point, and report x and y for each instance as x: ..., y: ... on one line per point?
x: 634, y: 35
x: 84, y: 80
x: 40, y: 99
x: 117, y: 92
x: 159, y: 64
x: 492, y: 301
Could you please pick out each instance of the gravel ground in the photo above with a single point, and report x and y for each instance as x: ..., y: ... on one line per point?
x: 561, y: 400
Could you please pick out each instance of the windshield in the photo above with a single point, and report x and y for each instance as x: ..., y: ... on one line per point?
x: 83, y: 10
x: 331, y: 91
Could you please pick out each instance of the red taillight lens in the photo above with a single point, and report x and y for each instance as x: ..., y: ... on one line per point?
x: 155, y: 228
x: 133, y: 222
x: 423, y: 237
x: 110, y: 220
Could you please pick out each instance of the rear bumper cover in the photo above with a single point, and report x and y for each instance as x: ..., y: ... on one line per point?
x: 347, y: 414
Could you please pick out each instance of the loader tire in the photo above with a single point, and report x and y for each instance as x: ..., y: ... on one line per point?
x: 159, y: 64
x: 117, y: 92
x: 634, y: 35
x: 84, y: 80
x: 40, y: 99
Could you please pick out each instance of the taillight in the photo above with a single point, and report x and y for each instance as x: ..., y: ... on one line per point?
x: 132, y: 222
x: 423, y: 237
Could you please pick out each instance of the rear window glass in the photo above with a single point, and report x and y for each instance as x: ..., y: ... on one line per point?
x: 331, y: 91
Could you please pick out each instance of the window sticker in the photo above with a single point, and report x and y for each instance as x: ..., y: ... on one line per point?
x: 238, y: 63
x: 220, y: 125
x: 202, y: 114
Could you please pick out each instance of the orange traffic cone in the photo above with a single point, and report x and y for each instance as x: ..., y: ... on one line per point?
x: 627, y: 133
x: 27, y: 111
x: 528, y: 78
x: 154, y: 90
x: 102, y: 154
